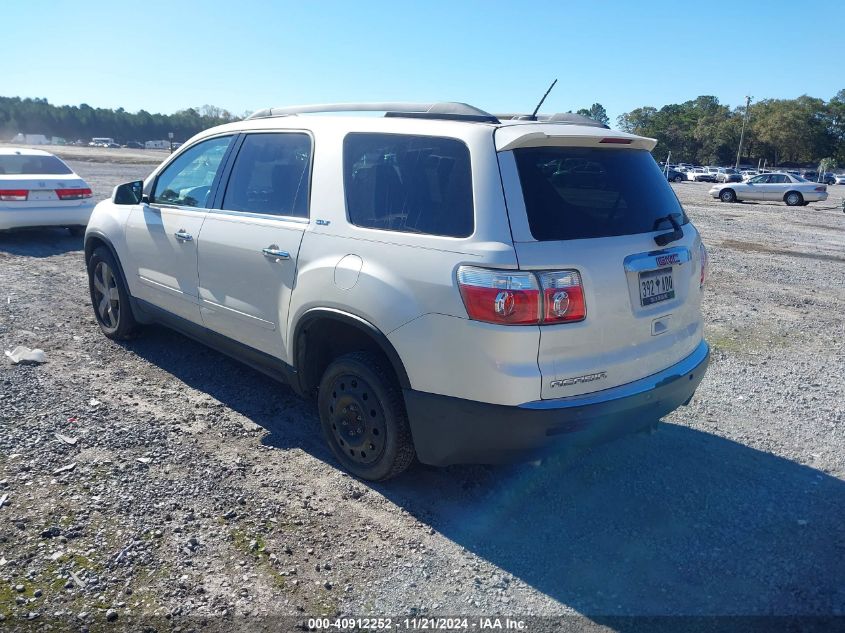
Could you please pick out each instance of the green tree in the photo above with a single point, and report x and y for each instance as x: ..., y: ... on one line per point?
x: 596, y: 112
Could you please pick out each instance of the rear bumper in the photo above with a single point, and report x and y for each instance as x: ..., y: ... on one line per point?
x: 47, y: 216
x: 449, y: 430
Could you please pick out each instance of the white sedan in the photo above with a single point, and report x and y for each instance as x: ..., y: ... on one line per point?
x: 793, y: 190
x: 39, y: 189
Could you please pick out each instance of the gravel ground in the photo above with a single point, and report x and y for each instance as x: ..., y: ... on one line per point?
x: 157, y: 478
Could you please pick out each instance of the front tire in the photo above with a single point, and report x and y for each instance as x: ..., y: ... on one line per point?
x: 727, y: 195
x: 109, y: 296
x: 363, y: 416
x: 793, y: 199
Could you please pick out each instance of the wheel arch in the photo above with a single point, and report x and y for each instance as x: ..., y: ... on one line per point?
x: 322, y: 334
x: 96, y: 239
x: 789, y: 191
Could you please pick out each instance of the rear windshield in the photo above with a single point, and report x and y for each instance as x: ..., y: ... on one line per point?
x: 581, y: 192
x: 29, y: 164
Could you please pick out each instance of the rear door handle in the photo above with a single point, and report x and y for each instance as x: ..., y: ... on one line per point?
x: 183, y: 236
x: 273, y: 252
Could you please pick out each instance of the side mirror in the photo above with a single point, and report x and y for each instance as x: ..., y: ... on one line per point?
x: 128, y: 192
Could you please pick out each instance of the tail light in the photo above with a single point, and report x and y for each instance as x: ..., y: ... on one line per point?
x: 563, y: 297
x: 73, y: 194
x: 521, y: 298
x: 498, y: 296
x: 13, y: 195
x: 705, y: 261
x: 822, y: 188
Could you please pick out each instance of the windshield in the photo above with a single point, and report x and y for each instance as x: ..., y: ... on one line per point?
x: 581, y: 192
x: 32, y: 164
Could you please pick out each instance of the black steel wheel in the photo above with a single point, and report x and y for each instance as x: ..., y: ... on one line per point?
x: 363, y: 417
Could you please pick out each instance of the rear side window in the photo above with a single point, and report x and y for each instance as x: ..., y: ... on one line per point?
x: 271, y: 175
x: 32, y: 164
x: 580, y: 192
x: 411, y: 184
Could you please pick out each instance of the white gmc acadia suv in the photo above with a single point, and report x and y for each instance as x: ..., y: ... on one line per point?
x: 452, y: 287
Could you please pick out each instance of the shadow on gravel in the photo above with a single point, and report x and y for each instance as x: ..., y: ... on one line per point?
x: 678, y: 523
x: 42, y: 242
x: 291, y: 421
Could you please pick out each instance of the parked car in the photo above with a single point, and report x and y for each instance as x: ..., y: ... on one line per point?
x: 748, y: 173
x: 700, y: 174
x: 827, y: 178
x: 449, y: 286
x: 675, y: 176
x: 133, y: 145
x: 840, y: 179
x: 39, y: 189
x: 728, y: 174
x: 793, y: 190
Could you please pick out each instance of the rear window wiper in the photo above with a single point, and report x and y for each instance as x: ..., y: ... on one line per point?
x: 673, y: 236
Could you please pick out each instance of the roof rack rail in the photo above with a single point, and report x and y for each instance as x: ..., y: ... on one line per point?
x: 569, y: 118
x: 449, y: 110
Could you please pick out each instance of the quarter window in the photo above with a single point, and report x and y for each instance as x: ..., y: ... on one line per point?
x: 411, y: 184
x: 271, y: 175
x: 187, y: 180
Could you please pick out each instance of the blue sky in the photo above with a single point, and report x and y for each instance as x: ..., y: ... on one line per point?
x: 242, y: 55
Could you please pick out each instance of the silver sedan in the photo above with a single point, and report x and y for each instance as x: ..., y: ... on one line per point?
x: 788, y: 188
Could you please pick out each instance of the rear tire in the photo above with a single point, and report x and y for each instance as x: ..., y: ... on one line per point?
x: 793, y: 199
x: 727, y: 195
x: 678, y: 178
x: 363, y: 416
x: 110, y: 297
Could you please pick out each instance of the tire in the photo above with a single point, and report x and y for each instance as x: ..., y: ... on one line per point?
x: 76, y: 231
x: 363, y: 416
x: 113, y: 314
x: 727, y: 195
x: 678, y: 178
x: 793, y: 199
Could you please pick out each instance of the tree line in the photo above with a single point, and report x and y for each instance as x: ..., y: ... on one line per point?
x: 785, y: 132
x: 37, y: 116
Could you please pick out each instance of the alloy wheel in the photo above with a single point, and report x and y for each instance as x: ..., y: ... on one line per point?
x: 106, y: 295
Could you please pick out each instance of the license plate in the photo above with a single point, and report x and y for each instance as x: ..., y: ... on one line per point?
x: 656, y: 286
x: 42, y: 194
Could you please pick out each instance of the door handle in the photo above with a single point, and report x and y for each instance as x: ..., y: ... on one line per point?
x: 183, y: 236
x: 273, y: 252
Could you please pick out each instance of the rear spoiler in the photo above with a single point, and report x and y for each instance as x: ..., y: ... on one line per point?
x: 510, y: 137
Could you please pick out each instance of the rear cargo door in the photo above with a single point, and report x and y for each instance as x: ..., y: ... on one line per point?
x: 597, y: 210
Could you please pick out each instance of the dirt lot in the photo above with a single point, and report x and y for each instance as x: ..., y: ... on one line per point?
x: 197, y: 489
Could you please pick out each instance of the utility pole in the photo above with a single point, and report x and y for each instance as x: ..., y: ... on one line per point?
x: 742, y: 133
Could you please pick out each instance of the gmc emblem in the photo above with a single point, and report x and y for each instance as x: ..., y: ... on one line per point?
x: 666, y: 260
